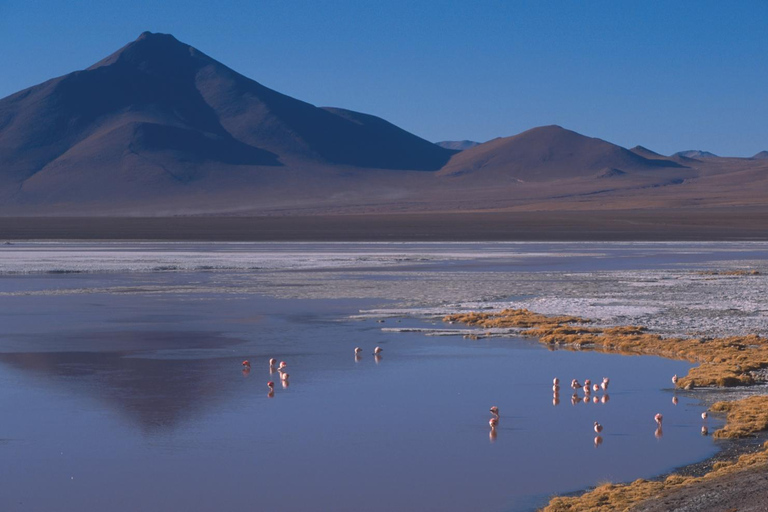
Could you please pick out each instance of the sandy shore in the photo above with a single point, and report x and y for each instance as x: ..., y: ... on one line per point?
x: 610, y: 225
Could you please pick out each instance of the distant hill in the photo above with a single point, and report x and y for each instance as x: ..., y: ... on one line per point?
x: 547, y: 153
x: 695, y: 153
x: 761, y: 155
x: 458, y: 145
x: 645, y: 152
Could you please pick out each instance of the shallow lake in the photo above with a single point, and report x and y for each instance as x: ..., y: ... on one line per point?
x: 117, y: 394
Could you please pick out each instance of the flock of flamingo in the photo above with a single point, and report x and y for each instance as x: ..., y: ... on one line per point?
x: 285, y: 376
x: 588, y: 387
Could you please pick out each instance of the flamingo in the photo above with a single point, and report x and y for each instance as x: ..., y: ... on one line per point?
x: 282, y: 366
x: 595, y: 388
x: 493, y: 422
x: 271, y: 385
x: 377, y: 351
x: 658, y: 419
x: 674, y: 400
x: 556, y: 388
x: 587, y: 382
x: 575, y: 384
x: 246, y: 364
x: 495, y: 411
x: 358, y: 350
x: 674, y: 379
x: 586, y: 390
x: 604, y: 384
x: 272, y: 362
x: 556, y: 381
x: 598, y: 428
x: 704, y: 415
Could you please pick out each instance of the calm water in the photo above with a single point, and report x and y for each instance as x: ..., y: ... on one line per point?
x: 118, y: 395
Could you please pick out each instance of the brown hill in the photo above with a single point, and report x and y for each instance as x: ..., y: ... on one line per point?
x: 547, y: 153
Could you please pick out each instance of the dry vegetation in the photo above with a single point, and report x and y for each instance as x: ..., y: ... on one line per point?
x: 612, y: 497
x: 722, y: 362
x: 744, y: 272
x: 745, y: 417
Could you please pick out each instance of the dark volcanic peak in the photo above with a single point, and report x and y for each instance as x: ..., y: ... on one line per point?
x: 696, y: 153
x: 545, y: 153
x: 761, y: 155
x: 158, y: 107
x: 457, y: 145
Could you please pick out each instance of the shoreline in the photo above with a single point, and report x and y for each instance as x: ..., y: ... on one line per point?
x: 743, y: 435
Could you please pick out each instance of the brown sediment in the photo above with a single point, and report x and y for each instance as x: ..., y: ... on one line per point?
x: 744, y: 417
x: 723, y: 362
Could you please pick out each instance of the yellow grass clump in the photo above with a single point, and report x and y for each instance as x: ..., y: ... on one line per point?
x: 744, y: 417
x: 744, y: 272
x: 621, y: 497
x: 723, y: 362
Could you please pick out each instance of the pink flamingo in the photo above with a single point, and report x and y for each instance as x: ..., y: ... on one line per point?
x: 495, y: 411
x: 493, y: 422
x: 282, y: 366
x: 598, y: 428
x: 604, y: 384
x: 587, y: 382
x: 575, y: 384
x: 246, y: 364
x: 595, y: 388
x: 358, y: 350
x: 674, y: 379
x: 271, y: 385
x: 658, y: 419
x: 587, y: 390
x: 556, y: 381
x: 272, y: 362
x: 377, y: 351
x: 704, y: 415
x: 674, y: 400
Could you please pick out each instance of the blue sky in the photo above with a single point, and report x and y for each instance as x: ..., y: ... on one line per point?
x: 668, y: 75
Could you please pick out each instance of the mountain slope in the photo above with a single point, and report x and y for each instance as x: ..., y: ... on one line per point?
x: 170, y: 111
x: 547, y: 153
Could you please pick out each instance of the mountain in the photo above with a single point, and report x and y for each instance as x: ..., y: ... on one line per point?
x: 159, y: 112
x: 761, y: 155
x: 695, y: 153
x: 160, y: 129
x: 646, y: 153
x: 458, y: 145
x: 547, y: 153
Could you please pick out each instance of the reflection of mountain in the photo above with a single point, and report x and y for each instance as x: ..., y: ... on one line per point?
x: 157, y: 394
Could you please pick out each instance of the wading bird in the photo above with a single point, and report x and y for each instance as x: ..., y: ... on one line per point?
x: 598, y: 428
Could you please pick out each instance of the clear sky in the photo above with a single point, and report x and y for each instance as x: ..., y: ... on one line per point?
x: 670, y: 75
